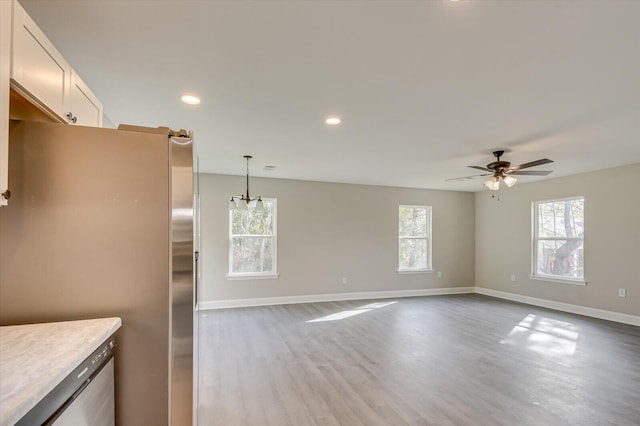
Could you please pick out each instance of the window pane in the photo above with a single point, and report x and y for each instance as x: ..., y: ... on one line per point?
x: 413, y: 253
x: 561, y: 219
x: 252, y: 254
x: 413, y: 221
x: 252, y: 222
x: 563, y: 258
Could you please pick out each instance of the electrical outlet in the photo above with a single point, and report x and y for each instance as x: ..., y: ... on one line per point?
x: 439, y: 274
x: 344, y: 280
x: 513, y: 278
x: 622, y: 292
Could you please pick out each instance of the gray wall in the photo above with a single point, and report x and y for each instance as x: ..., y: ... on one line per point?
x: 612, y: 239
x: 327, y: 231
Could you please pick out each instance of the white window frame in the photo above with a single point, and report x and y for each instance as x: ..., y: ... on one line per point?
x: 255, y: 275
x: 535, y: 275
x: 428, y: 237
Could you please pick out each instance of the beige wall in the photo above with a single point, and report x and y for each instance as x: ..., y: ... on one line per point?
x: 612, y: 239
x: 327, y: 231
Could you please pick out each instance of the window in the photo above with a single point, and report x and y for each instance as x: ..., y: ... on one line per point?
x: 414, y: 238
x: 252, y: 241
x: 558, y: 240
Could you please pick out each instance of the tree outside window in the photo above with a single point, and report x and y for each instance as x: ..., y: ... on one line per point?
x: 559, y: 238
x: 252, y: 240
x: 414, y: 238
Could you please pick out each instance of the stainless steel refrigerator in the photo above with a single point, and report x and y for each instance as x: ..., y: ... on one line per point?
x: 101, y: 223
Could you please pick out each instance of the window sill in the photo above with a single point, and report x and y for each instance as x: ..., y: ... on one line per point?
x: 558, y: 280
x: 252, y: 276
x: 414, y: 271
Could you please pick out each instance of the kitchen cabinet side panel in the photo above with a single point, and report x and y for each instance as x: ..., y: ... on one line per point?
x: 5, y: 72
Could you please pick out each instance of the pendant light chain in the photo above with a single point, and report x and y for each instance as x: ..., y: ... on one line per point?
x: 248, y: 157
x: 242, y: 202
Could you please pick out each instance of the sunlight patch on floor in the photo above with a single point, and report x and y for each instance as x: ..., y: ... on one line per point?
x: 377, y: 305
x: 352, y: 312
x: 544, y: 336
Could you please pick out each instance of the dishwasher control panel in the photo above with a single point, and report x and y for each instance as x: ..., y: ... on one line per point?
x: 104, y: 352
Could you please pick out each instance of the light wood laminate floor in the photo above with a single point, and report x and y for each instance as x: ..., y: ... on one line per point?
x: 442, y: 360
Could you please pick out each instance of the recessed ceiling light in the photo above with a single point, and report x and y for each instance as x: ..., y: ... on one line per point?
x: 333, y: 121
x: 190, y: 99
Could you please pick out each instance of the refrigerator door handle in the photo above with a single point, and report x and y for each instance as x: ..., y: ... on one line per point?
x: 196, y: 280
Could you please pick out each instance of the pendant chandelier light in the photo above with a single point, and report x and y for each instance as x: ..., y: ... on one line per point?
x: 493, y: 183
x: 241, y: 202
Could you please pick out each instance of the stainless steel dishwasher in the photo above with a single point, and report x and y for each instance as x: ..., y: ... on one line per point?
x: 84, y: 398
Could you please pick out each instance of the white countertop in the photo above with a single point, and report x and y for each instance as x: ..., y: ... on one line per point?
x: 34, y: 358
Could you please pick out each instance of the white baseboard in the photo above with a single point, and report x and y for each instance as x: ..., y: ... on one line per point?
x: 334, y: 297
x: 560, y: 306
x: 330, y: 297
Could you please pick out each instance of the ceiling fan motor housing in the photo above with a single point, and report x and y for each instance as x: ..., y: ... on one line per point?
x: 498, y: 165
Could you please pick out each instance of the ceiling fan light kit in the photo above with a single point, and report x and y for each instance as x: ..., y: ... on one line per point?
x: 503, y: 170
x: 509, y: 180
x: 492, y: 183
x: 241, y: 202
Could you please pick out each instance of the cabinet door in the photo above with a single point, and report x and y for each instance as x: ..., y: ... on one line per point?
x: 85, y: 107
x: 38, y: 70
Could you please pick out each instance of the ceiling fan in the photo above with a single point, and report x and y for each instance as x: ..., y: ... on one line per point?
x: 503, y: 170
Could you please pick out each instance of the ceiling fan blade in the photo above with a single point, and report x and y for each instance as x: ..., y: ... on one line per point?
x: 468, y: 177
x: 532, y: 164
x: 480, y: 168
x: 531, y: 172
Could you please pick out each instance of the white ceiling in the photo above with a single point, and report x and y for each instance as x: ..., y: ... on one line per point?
x: 424, y: 88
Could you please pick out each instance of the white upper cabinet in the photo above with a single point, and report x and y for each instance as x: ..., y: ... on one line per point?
x: 41, y: 74
x: 85, y: 109
x: 39, y: 71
